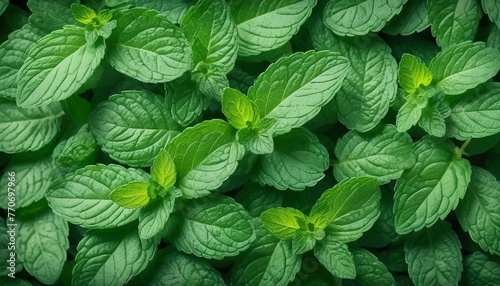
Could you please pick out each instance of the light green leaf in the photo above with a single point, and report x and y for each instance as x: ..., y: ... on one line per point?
x: 32, y: 179
x: 154, y: 216
x: 413, y: 73
x: 256, y: 199
x: 258, y: 140
x: 481, y: 269
x: 42, y: 242
x: 13, y: 53
x: 133, y: 126
x: 185, y: 100
x: 57, y: 66
x: 213, y: 227
x: 210, y: 22
x: 28, y: 129
x: 453, y: 21
x: 303, y: 241
x: 58, y: 11
x: 464, y: 66
x: 132, y: 195
x: 239, y: 110
x: 433, y: 256
x: 412, y: 19
x: 282, y: 222
x: 174, y: 268
x: 369, y: 270
x: 205, y: 156
x: 348, y: 209
x: 432, y: 187
x: 76, y: 152
x: 433, y: 116
x: 411, y: 111
x: 147, y: 46
x: 163, y: 169
x: 174, y: 10
x: 211, y: 80
x: 335, y: 256
x: 478, y: 211
x: 3, y: 5
x: 492, y: 9
x: 268, y: 24
x: 383, y: 153
x: 476, y: 114
x: 82, y: 197
x: 111, y: 257
x: 83, y: 14
x: 347, y: 18
x: 294, y: 88
x: 298, y: 161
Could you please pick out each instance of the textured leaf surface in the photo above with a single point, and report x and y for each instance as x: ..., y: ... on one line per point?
x: 27, y: 129
x: 336, y: 257
x: 481, y: 269
x: 50, y: 15
x: 76, y: 152
x: 132, y: 195
x: 174, y: 10
x: 163, y: 170
x: 282, y: 222
x: 82, y: 197
x: 154, y: 216
x: 413, y: 73
x: 412, y: 19
x: 492, y: 9
x: 432, y: 187
x: 133, y: 126
x: 185, y: 100
x: 257, y: 199
x: 239, y: 110
x: 369, y: 270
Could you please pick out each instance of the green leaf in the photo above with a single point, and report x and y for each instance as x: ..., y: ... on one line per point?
x: 131, y: 195
x: 433, y: 116
x: 83, y: 14
x: 294, y: 88
x: 111, y: 257
x: 303, y: 241
x: 481, y: 269
x: 185, y: 100
x: 258, y: 140
x: 347, y: 18
x: 464, y: 66
x: 32, y: 179
x: 163, y: 169
x: 432, y: 187
x: 133, y: 126
x: 383, y: 153
x: 239, y: 110
x: 369, y: 270
x: 412, y: 19
x: 147, y: 46
x: 210, y: 22
x: 154, y: 216
x: 411, y: 111
x: 3, y: 5
x: 174, y: 10
x: 413, y: 73
x: 50, y: 15
x: 478, y: 211
x: 256, y: 199
x: 335, y: 256
x: 282, y: 222
x: 82, y: 197
x: 434, y: 256
x: 211, y: 80
x: 453, y: 21
x: 28, y: 130
x: 205, y: 156
x: 348, y: 209
x: 76, y: 152
x: 268, y: 24
x: 302, y: 154
x: 226, y: 227
x: 42, y: 242
x: 57, y: 66
x: 476, y: 114
x: 492, y: 9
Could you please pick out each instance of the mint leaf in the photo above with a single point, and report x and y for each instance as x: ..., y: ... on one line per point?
x: 492, y: 9
x: 42, y: 243
x: 3, y: 5
x: 336, y: 257
x: 82, y: 197
x: 205, y: 156
x: 412, y: 73
x: 83, y: 14
x: 132, y: 121
x: 294, y: 89
x: 210, y: 22
x: 478, y: 211
x: 226, y: 226
x: 131, y: 195
x: 239, y: 110
x: 154, y: 216
x: 111, y: 257
x: 432, y: 187
x: 174, y: 10
x: 464, y: 66
x: 27, y: 129
x: 433, y: 116
x: 476, y: 114
x: 58, y: 11
x: 410, y: 112
x: 145, y: 45
x: 369, y: 270
x: 382, y: 153
x: 163, y: 170
x: 481, y: 269
x: 76, y: 152
x: 434, y: 256
x: 268, y: 24
x: 259, y: 139
x: 412, y: 19
x: 303, y: 241
x: 185, y: 100
x: 302, y: 154
x: 57, y: 66
x: 257, y: 199
x: 346, y: 18
x: 282, y: 222
x: 453, y: 21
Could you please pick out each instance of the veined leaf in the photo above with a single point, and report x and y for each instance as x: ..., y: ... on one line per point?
x: 383, y: 153
x: 76, y: 152
x: 492, y: 9
x: 413, y: 73
x: 163, y: 170
x: 111, y: 257
x: 411, y: 111
x: 147, y: 46
x: 412, y: 19
x: 185, y: 100
x: 335, y: 256
x: 257, y: 199
x: 294, y: 88
x: 213, y: 227
x: 434, y: 115
x: 3, y: 5
x: 282, y: 222
x: 347, y: 18
x: 131, y: 195
x: 369, y: 270
x: 154, y: 216
x: 481, y: 269
x: 82, y: 197
x: 464, y: 66
x: 268, y: 24
x: 205, y: 156
x: 58, y: 11
x: 174, y: 10
x: 28, y: 130
x: 239, y: 110
x: 304, y: 241
x: 57, y: 66
x: 478, y: 211
x: 83, y: 14
x: 433, y: 256
x: 133, y: 126
x: 432, y: 187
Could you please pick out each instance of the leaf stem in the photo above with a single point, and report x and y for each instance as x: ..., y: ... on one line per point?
x: 460, y: 152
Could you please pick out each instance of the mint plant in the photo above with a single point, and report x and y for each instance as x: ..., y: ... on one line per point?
x: 185, y: 142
